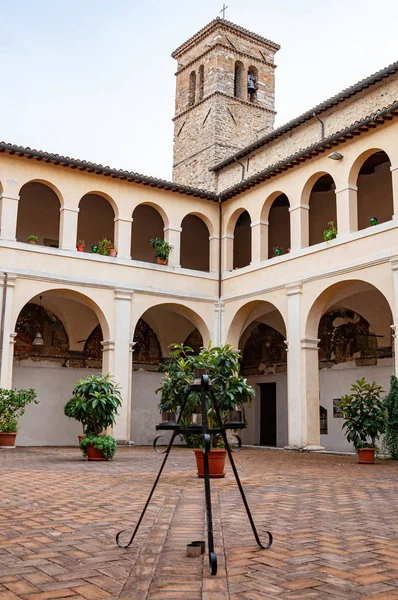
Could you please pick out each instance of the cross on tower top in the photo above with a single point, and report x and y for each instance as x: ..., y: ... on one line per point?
x: 224, y: 8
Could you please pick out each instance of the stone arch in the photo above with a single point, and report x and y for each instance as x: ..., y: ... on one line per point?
x: 195, y: 243
x: 253, y: 72
x: 319, y: 194
x: 39, y: 213
x: 192, y: 88
x: 148, y: 223
x: 103, y: 226
x: 250, y: 312
x: 375, y: 194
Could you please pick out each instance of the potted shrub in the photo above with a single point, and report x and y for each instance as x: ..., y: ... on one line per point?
x: 221, y: 363
x: 80, y: 246
x: 94, y: 404
x: 13, y: 404
x: 277, y: 251
x: 33, y: 239
x: 105, y: 246
x: 364, y: 417
x: 330, y: 233
x: 162, y: 250
x: 373, y: 220
x: 391, y: 407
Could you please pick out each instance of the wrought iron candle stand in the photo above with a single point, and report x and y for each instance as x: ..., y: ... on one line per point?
x: 203, y: 386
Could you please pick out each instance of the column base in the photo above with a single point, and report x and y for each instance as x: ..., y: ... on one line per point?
x: 124, y: 443
x: 313, y: 448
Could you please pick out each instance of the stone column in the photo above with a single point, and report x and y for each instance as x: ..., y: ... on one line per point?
x: 394, y: 266
x: 8, y: 335
x: 299, y: 227
x: 227, y: 252
x: 68, y: 228
x: 259, y: 241
x: 173, y: 236
x: 394, y: 176
x: 347, y: 210
x: 123, y: 236
x: 218, y: 324
x: 108, y: 356
x: 8, y: 216
x: 294, y: 391
x: 310, y: 394
x: 214, y: 253
x: 122, y: 360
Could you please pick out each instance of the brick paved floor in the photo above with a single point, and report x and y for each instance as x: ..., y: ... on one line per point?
x: 335, y: 527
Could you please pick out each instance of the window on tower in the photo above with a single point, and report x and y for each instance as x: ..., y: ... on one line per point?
x: 252, y: 79
x: 192, y: 88
x: 201, y: 82
x: 239, y: 83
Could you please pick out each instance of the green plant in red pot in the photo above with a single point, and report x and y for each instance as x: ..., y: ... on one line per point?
x: 221, y: 363
x: 13, y: 405
x: 364, y: 418
x: 94, y: 404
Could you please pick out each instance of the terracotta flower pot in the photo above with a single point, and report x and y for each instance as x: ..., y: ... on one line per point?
x: 366, y: 456
x: 32, y: 242
x: 216, y: 463
x: 161, y: 261
x: 113, y: 252
x: 7, y: 440
x: 81, y: 437
x: 94, y: 454
x: 80, y: 248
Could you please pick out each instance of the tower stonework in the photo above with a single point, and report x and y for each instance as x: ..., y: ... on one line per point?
x: 225, y: 97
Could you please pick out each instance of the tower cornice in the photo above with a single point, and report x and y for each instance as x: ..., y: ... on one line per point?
x: 232, y: 98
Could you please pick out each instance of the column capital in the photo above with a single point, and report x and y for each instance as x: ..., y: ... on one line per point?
x: 213, y: 237
x: 393, y: 330
x: 310, y: 343
x: 123, y: 294
x: 177, y: 229
x: 126, y: 219
x: 394, y: 264
x: 219, y: 306
x: 108, y: 346
x: 11, y: 279
x: 9, y: 196
x: 303, y: 206
x: 13, y: 337
x: 131, y: 346
x: 227, y: 236
x: 69, y: 209
x: 266, y: 223
x: 353, y: 188
x: 394, y: 168
x: 293, y: 289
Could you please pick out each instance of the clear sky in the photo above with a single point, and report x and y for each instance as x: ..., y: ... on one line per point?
x: 93, y: 79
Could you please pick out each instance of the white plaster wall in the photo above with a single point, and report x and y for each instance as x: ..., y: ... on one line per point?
x: 45, y: 424
x: 336, y: 382
x: 251, y: 435
x: 145, y: 414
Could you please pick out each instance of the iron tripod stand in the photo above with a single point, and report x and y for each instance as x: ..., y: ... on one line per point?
x: 203, y: 386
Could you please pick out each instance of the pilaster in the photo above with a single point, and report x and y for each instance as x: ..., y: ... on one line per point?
x: 227, y: 252
x: 172, y: 235
x: 7, y: 334
x: 299, y: 226
x: 347, y: 210
x: 294, y: 391
x: 8, y: 216
x: 394, y: 177
x: 218, y: 324
x: 68, y: 227
x: 214, y: 251
x: 123, y: 236
x: 259, y: 241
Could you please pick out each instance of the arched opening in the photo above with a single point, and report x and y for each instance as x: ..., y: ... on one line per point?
x: 96, y: 220
x: 352, y: 321
x: 240, y: 81
x: 195, y: 246
x: 252, y: 83
x: 70, y: 334
x: 192, y: 88
x: 147, y: 224
x: 242, y: 241
x: 158, y: 327
x: 279, y: 227
x: 375, y: 197
x: 38, y: 214
x: 201, y: 86
x: 264, y: 362
x: 322, y: 205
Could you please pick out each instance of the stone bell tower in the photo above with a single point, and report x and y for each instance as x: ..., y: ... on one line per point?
x: 225, y: 95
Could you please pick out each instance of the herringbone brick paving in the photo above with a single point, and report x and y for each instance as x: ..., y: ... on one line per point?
x: 335, y: 527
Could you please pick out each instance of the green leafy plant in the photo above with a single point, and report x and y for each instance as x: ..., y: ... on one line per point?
x: 277, y: 251
x: 330, y: 233
x: 391, y: 406
x: 13, y: 404
x: 81, y: 243
x: 104, y: 246
x: 33, y: 238
x: 222, y: 365
x: 104, y: 443
x: 162, y: 248
x: 94, y: 404
x: 364, y: 414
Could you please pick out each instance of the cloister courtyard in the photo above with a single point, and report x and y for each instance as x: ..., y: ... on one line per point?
x: 334, y: 524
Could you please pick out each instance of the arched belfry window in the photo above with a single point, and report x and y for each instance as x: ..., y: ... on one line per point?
x: 252, y: 81
x: 201, y: 83
x: 192, y: 88
x: 239, y: 81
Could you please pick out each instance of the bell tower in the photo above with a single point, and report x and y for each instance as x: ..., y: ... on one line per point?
x: 225, y: 96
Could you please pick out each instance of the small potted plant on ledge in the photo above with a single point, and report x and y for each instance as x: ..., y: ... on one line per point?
x: 330, y: 233
x: 105, y: 247
x: 162, y: 250
x: 364, y: 418
x: 373, y: 220
x: 13, y: 404
x: 277, y: 251
x: 221, y: 363
x: 80, y: 246
x: 96, y: 400
x: 33, y: 239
